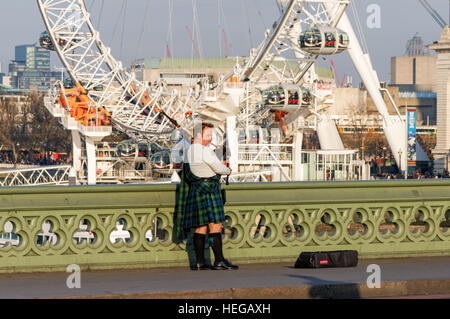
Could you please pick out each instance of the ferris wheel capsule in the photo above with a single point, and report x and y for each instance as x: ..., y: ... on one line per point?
x: 286, y: 97
x: 46, y: 41
x: 323, y: 40
x: 130, y: 148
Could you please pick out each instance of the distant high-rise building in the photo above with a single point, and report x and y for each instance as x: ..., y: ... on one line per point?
x: 417, y: 69
x: 33, y: 56
x: 31, y: 68
x: 416, y: 47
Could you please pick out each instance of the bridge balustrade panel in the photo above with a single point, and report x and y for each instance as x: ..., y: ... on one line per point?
x: 130, y: 226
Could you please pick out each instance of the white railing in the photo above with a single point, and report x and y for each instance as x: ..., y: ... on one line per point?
x: 37, y: 176
x: 128, y: 174
x: 265, y: 152
x: 260, y: 176
x: 9, y: 166
x: 265, y: 156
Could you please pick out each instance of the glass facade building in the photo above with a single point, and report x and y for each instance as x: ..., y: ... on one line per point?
x: 33, y: 57
x: 30, y: 69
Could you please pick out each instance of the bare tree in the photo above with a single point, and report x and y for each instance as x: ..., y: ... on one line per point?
x: 29, y: 126
x: 13, y: 126
x: 358, y: 127
x: 48, y: 134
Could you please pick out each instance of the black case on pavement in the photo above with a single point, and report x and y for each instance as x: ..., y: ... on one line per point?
x: 326, y: 259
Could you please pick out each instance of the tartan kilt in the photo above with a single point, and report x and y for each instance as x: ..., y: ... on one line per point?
x: 198, y: 203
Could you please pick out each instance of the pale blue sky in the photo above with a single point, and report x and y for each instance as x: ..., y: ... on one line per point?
x: 400, y: 20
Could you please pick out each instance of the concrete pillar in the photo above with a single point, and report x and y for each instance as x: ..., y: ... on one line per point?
x: 441, y: 151
x: 328, y: 135
x: 76, y: 154
x: 297, y: 173
x: 91, y: 161
x: 76, y: 150
x: 233, y: 145
x: 275, y: 139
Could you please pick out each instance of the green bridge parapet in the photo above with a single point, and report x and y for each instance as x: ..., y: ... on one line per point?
x: 130, y: 226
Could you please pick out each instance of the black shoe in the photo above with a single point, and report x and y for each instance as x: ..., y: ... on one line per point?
x: 230, y: 265
x: 220, y: 265
x: 225, y: 264
x: 202, y: 267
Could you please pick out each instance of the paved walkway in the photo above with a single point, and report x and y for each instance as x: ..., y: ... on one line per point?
x: 406, y: 276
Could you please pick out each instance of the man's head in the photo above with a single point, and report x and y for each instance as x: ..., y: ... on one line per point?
x: 203, y: 133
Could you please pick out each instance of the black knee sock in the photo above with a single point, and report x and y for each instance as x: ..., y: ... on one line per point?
x: 217, y: 246
x: 199, y: 246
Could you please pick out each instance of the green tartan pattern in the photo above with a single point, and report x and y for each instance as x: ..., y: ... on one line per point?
x: 197, y: 203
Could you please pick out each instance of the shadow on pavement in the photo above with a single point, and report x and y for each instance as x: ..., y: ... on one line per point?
x: 324, y: 289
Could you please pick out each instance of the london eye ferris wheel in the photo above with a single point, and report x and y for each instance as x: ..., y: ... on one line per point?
x: 105, y: 93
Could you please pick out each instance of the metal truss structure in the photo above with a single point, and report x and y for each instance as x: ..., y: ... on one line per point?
x: 44, y: 175
x: 282, y: 40
x: 153, y: 113
x: 135, y: 108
